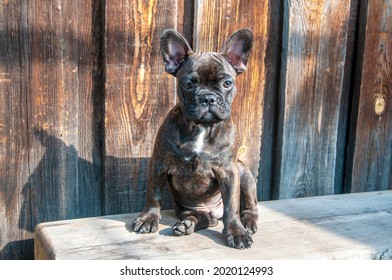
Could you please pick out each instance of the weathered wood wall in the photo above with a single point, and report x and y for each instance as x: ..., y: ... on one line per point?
x: 313, y: 95
x: 83, y: 92
x: 49, y: 86
x: 370, y: 154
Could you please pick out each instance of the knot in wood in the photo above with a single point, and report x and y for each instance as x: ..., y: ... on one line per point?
x: 241, y: 150
x: 379, y: 106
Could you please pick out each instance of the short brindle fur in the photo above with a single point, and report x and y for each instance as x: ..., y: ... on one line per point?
x: 195, y: 151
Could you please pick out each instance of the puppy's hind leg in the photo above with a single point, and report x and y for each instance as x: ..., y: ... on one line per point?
x: 192, y: 221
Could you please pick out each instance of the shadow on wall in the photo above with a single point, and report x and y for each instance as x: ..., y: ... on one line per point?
x: 65, y: 186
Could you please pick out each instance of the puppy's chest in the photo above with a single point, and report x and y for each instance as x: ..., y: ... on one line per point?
x: 196, y: 151
x: 193, y: 176
x: 194, y: 157
x: 193, y: 165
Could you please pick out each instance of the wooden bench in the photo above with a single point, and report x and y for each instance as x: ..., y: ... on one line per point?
x: 349, y: 226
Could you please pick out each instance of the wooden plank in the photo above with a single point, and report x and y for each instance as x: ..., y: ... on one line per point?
x: 61, y: 115
x: 14, y: 79
x: 90, y: 96
x: 313, y: 100
x: 215, y: 21
x: 350, y: 226
x: 49, y: 55
x: 269, y: 129
x: 370, y: 161
x: 185, y: 19
x: 139, y: 94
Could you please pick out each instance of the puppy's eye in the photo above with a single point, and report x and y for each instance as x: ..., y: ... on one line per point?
x: 187, y: 85
x: 228, y: 83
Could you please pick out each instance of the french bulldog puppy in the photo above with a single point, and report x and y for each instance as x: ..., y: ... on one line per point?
x: 195, y: 152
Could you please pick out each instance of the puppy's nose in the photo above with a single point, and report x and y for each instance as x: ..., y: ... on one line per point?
x: 207, y: 99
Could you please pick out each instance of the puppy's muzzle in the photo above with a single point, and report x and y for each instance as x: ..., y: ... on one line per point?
x: 207, y: 99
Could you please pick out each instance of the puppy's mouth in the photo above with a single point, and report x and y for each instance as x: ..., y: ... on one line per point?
x: 207, y: 114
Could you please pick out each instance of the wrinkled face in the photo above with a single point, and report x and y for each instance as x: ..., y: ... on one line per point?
x: 206, y: 88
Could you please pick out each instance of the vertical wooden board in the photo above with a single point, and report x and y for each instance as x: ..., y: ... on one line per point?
x: 14, y: 78
x: 139, y: 94
x: 215, y: 21
x: 185, y: 18
x: 272, y: 62
x: 371, y: 161
x: 314, y: 57
x: 51, y: 191
x: 90, y: 94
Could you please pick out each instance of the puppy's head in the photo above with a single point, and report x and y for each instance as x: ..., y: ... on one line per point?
x: 206, y: 81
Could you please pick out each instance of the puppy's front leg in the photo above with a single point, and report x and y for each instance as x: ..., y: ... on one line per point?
x: 229, y: 180
x: 149, y: 218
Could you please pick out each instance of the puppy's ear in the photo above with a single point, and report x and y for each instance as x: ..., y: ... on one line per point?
x: 237, y: 49
x: 175, y: 49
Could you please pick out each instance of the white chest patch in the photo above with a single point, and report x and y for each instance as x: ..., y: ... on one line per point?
x: 199, y: 143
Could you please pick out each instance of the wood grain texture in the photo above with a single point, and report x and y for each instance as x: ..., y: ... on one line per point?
x: 215, y: 21
x: 51, y: 118
x: 312, y: 99
x: 63, y: 182
x: 350, y: 226
x: 185, y: 19
x: 83, y: 91
x: 370, y: 164
x: 14, y: 153
x: 91, y: 107
x: 139, y: 94
x: 272, y: 62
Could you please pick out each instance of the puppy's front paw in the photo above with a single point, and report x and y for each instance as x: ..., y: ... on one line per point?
x: 146, y: 222
x: 249, y: 221
x: 237, y: 237
x: 184, y: 227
